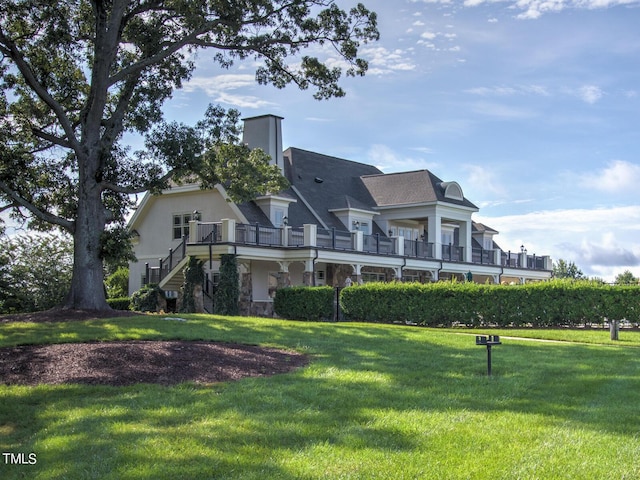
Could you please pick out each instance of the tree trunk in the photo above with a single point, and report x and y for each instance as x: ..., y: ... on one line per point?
x: 87, y: 284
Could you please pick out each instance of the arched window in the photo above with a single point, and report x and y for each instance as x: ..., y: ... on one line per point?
x: 452, y: 190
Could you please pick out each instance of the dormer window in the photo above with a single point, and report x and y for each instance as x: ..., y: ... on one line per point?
x: 275, y: 207
x: 452, y: 190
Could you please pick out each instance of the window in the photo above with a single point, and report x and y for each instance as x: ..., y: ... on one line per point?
x: 373, y: 277
x: 488, y: 244
x: 181, y: 225
x: 279, y: 218
x: 447, y: 238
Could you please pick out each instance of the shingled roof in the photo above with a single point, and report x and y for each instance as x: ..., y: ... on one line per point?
x: 322, y: 184
x: 408, y: 188
x: 326, y: 183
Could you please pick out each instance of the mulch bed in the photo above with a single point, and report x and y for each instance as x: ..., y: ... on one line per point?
x: 132, y: 362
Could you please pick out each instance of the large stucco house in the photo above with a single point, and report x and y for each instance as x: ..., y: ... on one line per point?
x: 340, y: 222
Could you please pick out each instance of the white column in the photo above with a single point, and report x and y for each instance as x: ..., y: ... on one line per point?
x: 465, y: 240
x: 358, y: 242
x: 399, y: 245
x: 434, y: 235
x: 310, y: 234
x: 285, y: 236
x: 193, y: 231
x: 228, y: 230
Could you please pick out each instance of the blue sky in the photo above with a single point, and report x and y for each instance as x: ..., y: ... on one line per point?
x: 532, y: 106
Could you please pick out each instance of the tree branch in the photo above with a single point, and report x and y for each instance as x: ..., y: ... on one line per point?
x: 10, y: 49
x: 133, y: 190
x: 19, y: 201
x: 50, y: 138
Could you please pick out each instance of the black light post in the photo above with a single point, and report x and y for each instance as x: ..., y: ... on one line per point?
x: 488, y: 342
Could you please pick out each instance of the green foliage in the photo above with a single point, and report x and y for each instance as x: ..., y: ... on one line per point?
x: 78, y: 77
x: 563, y: 269
x: 376, y: 402
x: 626, y: 278
x: 147, y: 298
x: 116, y: 245
x: 227, y: 295
x: 118, y: 283
x: 543, y: 304
x: 121, y: 303
x: 193, y: 275
x: 304, y: 303
x: 35, y: 272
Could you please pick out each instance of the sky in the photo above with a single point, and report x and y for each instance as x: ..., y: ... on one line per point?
x: 532, y: 106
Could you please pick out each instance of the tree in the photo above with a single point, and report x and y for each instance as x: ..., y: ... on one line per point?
x: 77, y: 75
x: 225, y: 299
x: 626, y: 278
x: 35, y: 272
x: 117, y: 283
x: 564, y: 269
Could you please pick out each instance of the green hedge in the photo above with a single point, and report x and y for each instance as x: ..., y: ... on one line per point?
x: 122, y: 303
x: 304, y: 303
x: 544, y: 304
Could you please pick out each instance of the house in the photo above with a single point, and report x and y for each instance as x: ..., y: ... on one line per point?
x: 339, y: 222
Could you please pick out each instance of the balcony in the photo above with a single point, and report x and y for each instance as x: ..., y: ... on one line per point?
x: 394, y: 249
x: 357, y: 242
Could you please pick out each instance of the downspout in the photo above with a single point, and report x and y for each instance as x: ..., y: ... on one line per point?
x: 314, y: 268
x: 439, y: 270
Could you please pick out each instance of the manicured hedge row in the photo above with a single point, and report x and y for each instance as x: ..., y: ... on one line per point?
x: 304, y: 303
x: 122, y: 303
x: 543, y: 304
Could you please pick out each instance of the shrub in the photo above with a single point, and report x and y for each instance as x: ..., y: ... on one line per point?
x: 148, y: 299
x: 544, y: 304
x: 225, y: 300
x: 193, y: 275
x: 304, y: 303
x: 122, y: 303
x: 118, y: 283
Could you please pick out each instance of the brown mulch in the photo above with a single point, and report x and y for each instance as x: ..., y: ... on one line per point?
x: 132, y: 362
x: 65, y: 315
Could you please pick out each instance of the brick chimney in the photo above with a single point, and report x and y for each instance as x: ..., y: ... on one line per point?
x: 265, y: 132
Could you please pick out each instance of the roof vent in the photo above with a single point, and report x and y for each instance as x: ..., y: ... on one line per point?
x: 318, y: 180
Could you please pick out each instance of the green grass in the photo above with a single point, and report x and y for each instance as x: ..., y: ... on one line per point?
x: 376, y: 402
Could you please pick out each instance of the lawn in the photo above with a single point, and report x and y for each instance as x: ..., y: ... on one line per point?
x: 376, y: 402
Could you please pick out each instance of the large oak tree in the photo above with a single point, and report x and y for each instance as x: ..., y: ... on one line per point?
x: 78, y: 74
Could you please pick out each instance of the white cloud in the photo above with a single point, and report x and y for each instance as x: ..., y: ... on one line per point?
x: 501, y: 111
x: 482, y: 179
x: 601, y: 241
x: 383, y: 61
x: 504, y: 91
x: 618, y: 177
x: 590, y: 93
x: 534, y: 9
x: 219, y: 87
x: 389, y: 160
